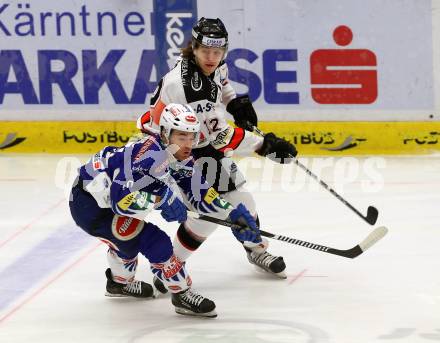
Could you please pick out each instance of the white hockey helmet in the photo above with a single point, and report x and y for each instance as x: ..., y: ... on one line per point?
x: 179, y: 117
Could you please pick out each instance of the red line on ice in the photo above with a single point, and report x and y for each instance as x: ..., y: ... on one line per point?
x: 28, y: 225
x: 296, y: 277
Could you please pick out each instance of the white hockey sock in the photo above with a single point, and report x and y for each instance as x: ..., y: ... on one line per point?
x: 173, y: 274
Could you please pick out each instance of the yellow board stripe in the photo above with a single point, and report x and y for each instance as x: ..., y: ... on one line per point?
x: 359, y: 138
x: 310, y: 138
x: 65, y: 137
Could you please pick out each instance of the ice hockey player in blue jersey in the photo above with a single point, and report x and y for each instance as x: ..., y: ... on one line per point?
x: 119, y: 186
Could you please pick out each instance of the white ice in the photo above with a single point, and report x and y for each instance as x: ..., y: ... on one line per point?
x: 52, y: 278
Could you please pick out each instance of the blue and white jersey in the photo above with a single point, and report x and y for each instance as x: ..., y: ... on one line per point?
x: 131, y: 179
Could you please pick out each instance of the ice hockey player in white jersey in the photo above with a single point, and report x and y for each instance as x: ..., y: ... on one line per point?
x: 200, y: 79
x: 118, y: 187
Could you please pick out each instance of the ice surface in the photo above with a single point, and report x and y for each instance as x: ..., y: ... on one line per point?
x: 52, y: 278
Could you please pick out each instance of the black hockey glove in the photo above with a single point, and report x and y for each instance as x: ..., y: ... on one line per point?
x: 243, y: 112
x: 277, y: 149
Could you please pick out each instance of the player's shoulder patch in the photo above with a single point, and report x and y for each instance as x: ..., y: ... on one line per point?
x: 223, y: 138
x: 210, y: 195
x: 126, y: 201
x: 137, y: 201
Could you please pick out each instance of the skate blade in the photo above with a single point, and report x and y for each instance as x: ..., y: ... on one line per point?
x: 112, y: 295
x: 186, y: 312
x: 280, y: 275
x: 158, y: 294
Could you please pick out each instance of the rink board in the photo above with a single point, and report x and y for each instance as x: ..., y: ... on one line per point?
x: 112, y: 67
x: 311, y: 138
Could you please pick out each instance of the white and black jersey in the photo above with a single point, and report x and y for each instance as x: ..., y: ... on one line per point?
x: 186, y: 84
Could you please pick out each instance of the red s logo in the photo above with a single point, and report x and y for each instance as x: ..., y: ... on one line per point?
x: 343, y: 76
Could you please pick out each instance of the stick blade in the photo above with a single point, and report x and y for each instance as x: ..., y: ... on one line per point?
x: 373, y: 238
x: 372, y: 214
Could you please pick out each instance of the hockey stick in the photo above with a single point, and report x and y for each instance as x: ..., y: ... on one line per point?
x: 368, y: 242
x: 372, y: 212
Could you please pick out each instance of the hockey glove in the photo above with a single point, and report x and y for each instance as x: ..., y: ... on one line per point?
x: 249, y: 231
x: 277, y: 149
x: 172, y: 209
x: 243, y: 112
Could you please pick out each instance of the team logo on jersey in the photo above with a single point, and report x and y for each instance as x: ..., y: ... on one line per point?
x: 222, y: 203
x: 126, y: 201
x: 196, y: 82
x: 126, y: 228
x: 137, y: 201
x: 97, y: 162
x: 210, y: 195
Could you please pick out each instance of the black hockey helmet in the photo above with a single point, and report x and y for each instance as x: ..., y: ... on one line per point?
x: 210, y: 33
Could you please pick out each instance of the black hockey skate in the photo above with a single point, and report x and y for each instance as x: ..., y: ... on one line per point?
x: 193, y: 304
x: 159, y: 286
x: 137, y: 289
x: 272, y: 264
